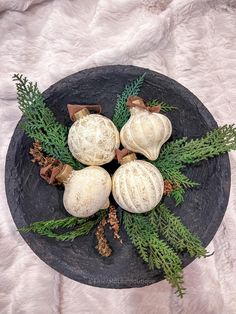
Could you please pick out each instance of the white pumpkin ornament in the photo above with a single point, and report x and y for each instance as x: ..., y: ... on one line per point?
x: 92, y: 138
x: 137, y: 185
x: 86, y: 190
x: 146, y: 130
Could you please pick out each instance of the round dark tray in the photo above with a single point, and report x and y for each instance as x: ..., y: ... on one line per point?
x: 31, y: 199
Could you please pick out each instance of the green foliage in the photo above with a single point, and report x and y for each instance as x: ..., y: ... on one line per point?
x: 172, y: 229
x: 154, y: 251
x: 180, y: 181
x: 164, y: 107
x: 122, y: 114
x: 48, y: 228
x: 181, y: 152
x: 40, y: 123
x: 40, y: 226
x: 143, y: 230
x: 175, y: 155
x: 178, y: 194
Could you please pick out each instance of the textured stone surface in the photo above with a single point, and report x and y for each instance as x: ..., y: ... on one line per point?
x: 31, y: 199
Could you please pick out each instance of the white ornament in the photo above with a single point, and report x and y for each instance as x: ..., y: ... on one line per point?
x: 86, y: 190
x: 145, y: 132
x: 137, y: 185
x: 93, y: 138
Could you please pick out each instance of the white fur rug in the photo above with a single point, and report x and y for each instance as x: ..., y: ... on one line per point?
x: 192, y: 41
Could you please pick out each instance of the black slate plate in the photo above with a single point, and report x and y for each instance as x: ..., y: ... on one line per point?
x: 31, y: 199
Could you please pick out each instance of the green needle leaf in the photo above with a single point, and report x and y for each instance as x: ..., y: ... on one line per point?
x: 173, y: 230
x: 164, y: 107
x: 122, y: 114
x: 154, y: 251
x: 48, y: 228
x: 40, y: 123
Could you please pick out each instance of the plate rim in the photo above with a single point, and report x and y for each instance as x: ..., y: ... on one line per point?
x: 9, y: 160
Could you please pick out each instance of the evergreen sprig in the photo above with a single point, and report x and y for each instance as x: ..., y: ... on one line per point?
x: 183, y: 151
x: 122, y: 114
x: 48, y: 228
x: 173, y: 230
x: 179, y: 180
x: 154, y: 251
x: 40, y: 123
x: 175, y: 155
x: 164, y: 107
x: 40, y: 226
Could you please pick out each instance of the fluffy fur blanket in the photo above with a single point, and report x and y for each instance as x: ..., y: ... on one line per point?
x: 192, y: 41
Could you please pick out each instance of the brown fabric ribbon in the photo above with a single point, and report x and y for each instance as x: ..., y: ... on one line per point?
x: 120, y: 153
x: 135, y: 101
x: 73, y: 108
x: 50, y: 172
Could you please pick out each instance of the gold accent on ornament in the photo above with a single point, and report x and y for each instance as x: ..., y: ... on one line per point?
x: 80, y: 114
x: 64, y: 174
x: 128, y: 158
x: 73, y: 109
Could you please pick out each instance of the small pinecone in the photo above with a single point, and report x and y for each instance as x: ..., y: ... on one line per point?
x: 168, y: 187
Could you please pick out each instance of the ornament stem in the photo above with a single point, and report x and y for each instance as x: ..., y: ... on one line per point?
x: 123, y: 156
x: 78, y: 111
x: 64, y: 174
x: 138, y: 102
